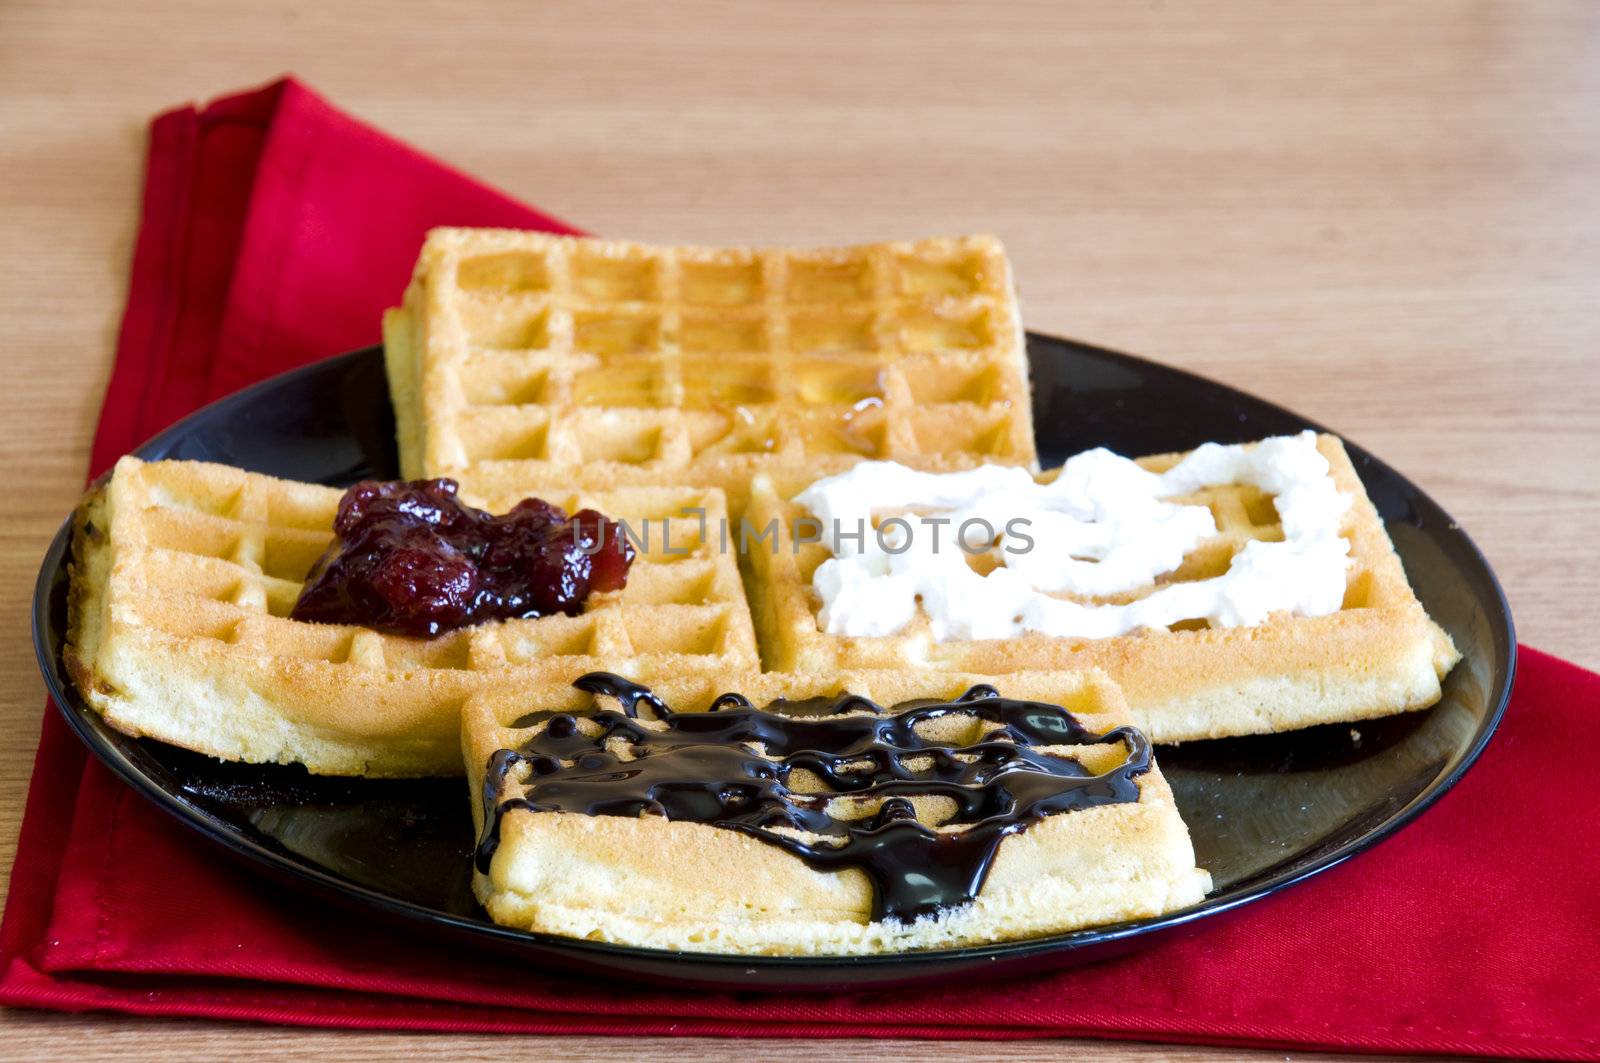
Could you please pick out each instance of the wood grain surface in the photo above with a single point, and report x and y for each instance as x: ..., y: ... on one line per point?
x: 1386, y: 216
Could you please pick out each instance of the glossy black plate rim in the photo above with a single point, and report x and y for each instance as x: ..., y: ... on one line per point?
x: 812, y: 972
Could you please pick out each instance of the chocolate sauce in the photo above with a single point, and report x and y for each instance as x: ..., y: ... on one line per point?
x: 699, y: 767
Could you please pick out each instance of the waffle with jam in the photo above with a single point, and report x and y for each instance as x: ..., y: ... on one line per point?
x: 667, y: 747
x: 185, y: 576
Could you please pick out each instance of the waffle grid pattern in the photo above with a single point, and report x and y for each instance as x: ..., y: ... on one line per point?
x: 519, y: 356
x: 226, y: 553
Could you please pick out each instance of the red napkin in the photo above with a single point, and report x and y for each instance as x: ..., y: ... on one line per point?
x: 275, y: 231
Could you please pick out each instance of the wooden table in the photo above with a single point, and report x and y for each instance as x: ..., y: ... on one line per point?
x: 1384, y: 216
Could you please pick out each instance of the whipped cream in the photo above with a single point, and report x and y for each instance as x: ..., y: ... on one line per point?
x: 1103, y: 527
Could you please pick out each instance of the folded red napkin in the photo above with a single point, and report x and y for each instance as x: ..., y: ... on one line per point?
x: 275, y: 231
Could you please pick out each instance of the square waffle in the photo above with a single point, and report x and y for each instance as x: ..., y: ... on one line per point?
x: 185, y: 574
x: 678, y: 884
x: 524, y: 358
x: 1379, y: 654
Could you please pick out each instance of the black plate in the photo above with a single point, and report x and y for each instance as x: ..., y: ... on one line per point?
x: 1265, y: 812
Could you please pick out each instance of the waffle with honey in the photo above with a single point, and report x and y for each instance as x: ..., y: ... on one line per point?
x: 1378, y: 654
x: 682, y: 883
x: 521, y: 358
x: 184, y: 576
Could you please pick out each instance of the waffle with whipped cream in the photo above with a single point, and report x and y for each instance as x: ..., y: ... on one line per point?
x: 1375, y: 653
x: 184, y: 575
x: 698, y: 395
x: 650, y: 866
x: 522, y: 358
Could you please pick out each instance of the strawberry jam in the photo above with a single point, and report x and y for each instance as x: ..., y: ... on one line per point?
x: 410, y: 558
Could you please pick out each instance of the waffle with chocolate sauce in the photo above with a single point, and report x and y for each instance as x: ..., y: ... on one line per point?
x: 668, y: 386
x: 1379, y: 654
x: 185, y: 573
x: 943, y: 815
x: 521, y: 358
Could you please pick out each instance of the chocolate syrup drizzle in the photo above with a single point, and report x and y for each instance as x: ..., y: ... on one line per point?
x: 700, y: 768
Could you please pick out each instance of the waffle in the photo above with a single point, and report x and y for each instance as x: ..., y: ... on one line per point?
x: 522, y: 358
x: 185, y: 573
x: 651, y: 882
x: 1379, y: 654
